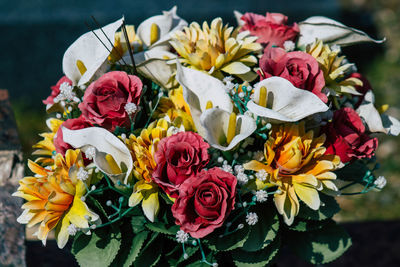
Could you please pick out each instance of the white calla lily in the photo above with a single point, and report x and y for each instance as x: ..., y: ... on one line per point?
x: 199, y: 89
x: 105, y: 143
x: 283, y: 102
x: 330, y: 32
x: 86, y: 58
x: 377, y: 122
x: 217, y: 123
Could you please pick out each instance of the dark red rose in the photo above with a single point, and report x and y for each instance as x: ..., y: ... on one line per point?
x: 205, y: 201
x: 346, y: 136
x: 361, y: 89
x: 105, y: 99
x: 271, y: 30
x: 55, y: 90
x: 300, y: 68
x: 72, y: 124
x: 179, y: 157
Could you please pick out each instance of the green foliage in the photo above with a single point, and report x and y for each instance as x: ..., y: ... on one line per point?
x: 304, y: 225
x: 162, y: 228
x: 265, y: 230
x: 151, y: 252
x: 136, y: 246
x: 98, y: 249
x: 355, y: 172
x: 329, y: 208
x: 220, y: 241
x: 258, y: 258
x: 322, y: 245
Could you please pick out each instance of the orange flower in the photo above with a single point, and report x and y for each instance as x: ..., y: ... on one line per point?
x: 295, y: 162
x: 54, y: 198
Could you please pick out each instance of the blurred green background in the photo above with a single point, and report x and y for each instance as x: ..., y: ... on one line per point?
x: 36, y: 34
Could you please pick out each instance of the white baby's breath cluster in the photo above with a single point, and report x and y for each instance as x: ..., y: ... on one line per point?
x: 262, y: 175
x: 66, y: 94
x: 380, y: 182
x: 182, y: 236
x: 90, y: 152
x: 261, y: 196
x: 130, y: 108
x: 251, y: 218
x: 82, y: 174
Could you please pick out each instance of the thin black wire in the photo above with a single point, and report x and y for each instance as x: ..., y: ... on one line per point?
x: 129, y: 46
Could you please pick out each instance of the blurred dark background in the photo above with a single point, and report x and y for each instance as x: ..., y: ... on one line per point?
x: 35, y: 34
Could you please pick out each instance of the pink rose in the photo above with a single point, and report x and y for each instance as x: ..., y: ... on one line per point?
x: 105, y: 99
x: 72, y: 124
x: 300, y: 68
x: 55, y: 90
x: 204, y: 202
x: 346, y: 136
x: 271, y: 30
x: 179, y: 157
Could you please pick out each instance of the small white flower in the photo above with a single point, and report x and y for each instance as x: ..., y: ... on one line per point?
x: 58, y: 116
x: 242, y: 178
x: 220, y: 159
x: 123, y: 136
x: 227, y: 168
x: 289, y: 45
x: 241, y: 94
x: 251, y: 218
x: 240, y: 226
x: 82, y: 174
x: 130, y: 108
x: 72, y: 230
x: 181, y: 236
x: 258, y: 155
x: 262, y: 175
x: 90, y: 153
x: 66, y: 93
x: 261, y: 196
x: 227, y: 79
x: 380, y: 182
x: 173, y: 130
x: 238, y: 169
x: 335, y: 48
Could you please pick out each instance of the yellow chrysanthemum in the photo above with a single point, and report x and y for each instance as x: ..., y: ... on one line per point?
x: 45, y: 148
x: 143, y: 148
x: 334, y: 69
x: 54, y: 198
x: 295, y: 162
x: 176, y: 109
x: 217, y: 49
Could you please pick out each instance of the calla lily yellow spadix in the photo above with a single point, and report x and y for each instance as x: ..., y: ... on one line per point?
x: 277, y: 100
x: 295, y: 162
x: 54, y: 198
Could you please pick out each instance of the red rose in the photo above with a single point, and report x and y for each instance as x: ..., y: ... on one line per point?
x: 271, y: 29
x: 105, y: 99
x: 346, y: 136
x: 300, y: 68
x: 55, y: 90
x: 205, y: 201
x: 72, y: 124
x: 179, y: 157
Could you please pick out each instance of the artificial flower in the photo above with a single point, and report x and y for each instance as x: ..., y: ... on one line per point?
x: 54, y: 198
x: 277, y: 100
x: 336, y: 73
x: 271, y: 29
x: 217, y: 49
x: 45, y: 148
x: 179, y: 157
x: 346, y: 136
x: 105, y: 100
x: 143, y: 147
x: 300, y: 68
x: 295, y: 161
x: 204, y: 202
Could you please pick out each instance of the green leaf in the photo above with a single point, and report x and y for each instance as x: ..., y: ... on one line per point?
x: 137, y: 244
x: 259, y: 258
x: 265, y: 230
x: 304, y: 225
x: 138, y: 223
x: 353, y: 172
x: 321, y: 246
x: 329, y: 208
x: 97, y: 249
x: 96, y: 207
x: 151, y: 253
x: 218, y: 241
x: 162, y: 228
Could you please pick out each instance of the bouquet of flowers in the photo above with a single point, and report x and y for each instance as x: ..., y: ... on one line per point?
x: 197, y: 145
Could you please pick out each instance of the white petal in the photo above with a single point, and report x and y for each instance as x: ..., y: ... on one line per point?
x: 215, y: 122
x: 330, y: 32
x: 286, y: 103
x: 375, y: 121
x: 238, y: 15
x: 91, y: 52
x: 198, y: 89
x: 105, y: 143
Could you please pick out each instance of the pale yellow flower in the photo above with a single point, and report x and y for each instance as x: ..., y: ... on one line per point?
x: 295, y: 162
x: 54, y: 198
x: 217, y: 49
x: 334, y: 69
